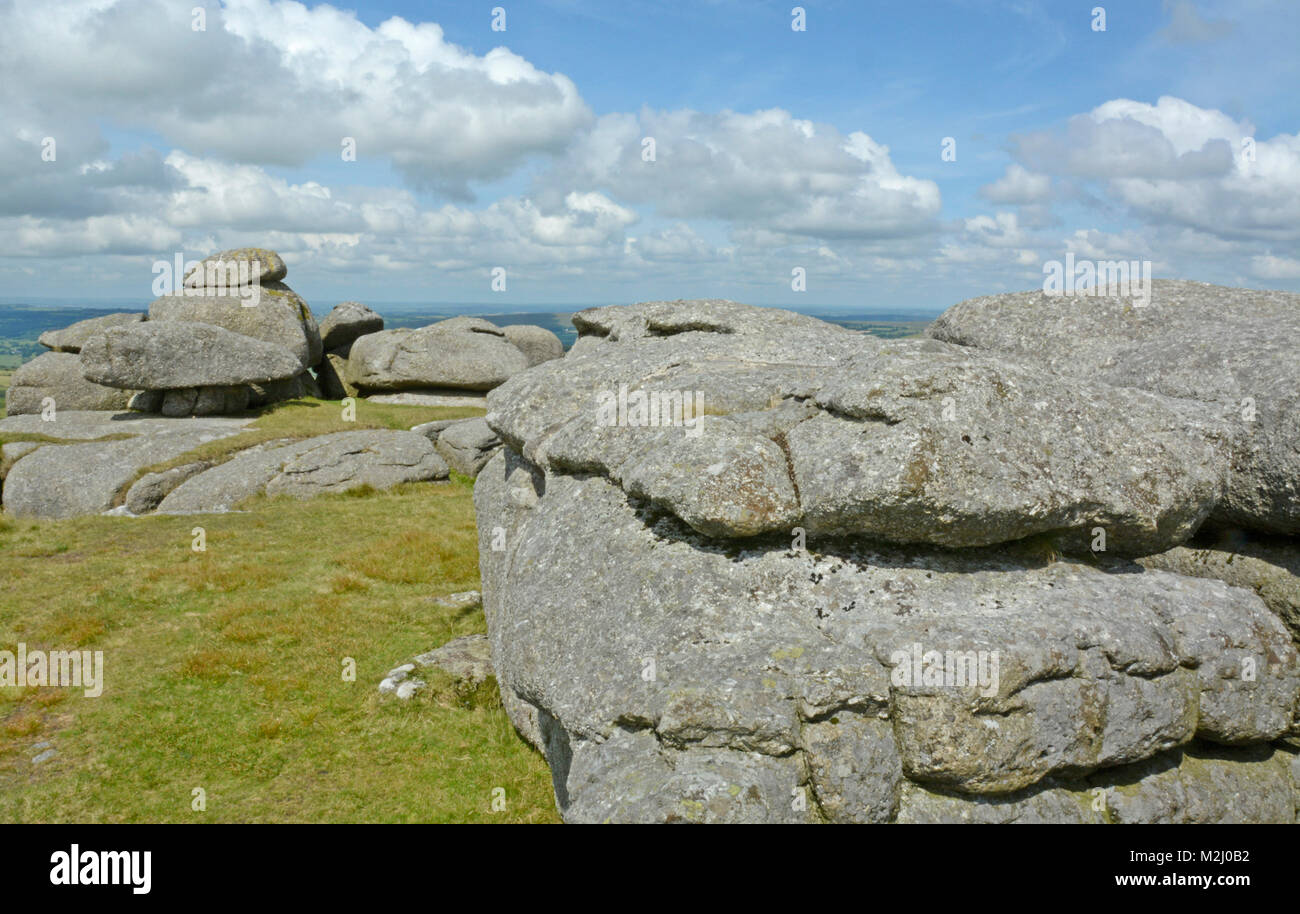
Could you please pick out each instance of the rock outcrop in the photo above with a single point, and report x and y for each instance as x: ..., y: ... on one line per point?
x: 57, y: 376
x: 1232, y: 350
x: 74, y: 336
x: 70, y: 479
x: 536, y: 343
x: 164, y: 355
x: 463, y: 353
x: 328, y: 463
x: 346, y: 322
x: 467, y: 445
x: 829, y: 588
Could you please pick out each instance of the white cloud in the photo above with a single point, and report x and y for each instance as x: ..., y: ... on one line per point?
x: 1266, y: 266
x: 1174, y: 163
x: 1018, y: 186
x: 280, y: 83
x: 765, y: 170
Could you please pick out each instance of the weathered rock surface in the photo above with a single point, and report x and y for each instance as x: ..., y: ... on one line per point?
x: 57, y: 375
x: 280, y: 317
x: 1234, y: 350
x: 463, y: 353
x: 67, y: 480
x: 750, y: 650
x: 74, y: 336
x: 150, y: 489
x: 348, y: 320
x: 346, y: 460
x: 83, y: 425
x: 327, y: 463
x: 1270, y: 566
x: 910, y: 441
x: 811, y: 672
x: 165, y: 355
x: 1201, y: 784
x: 467, y: 660
x: 216, y: 271
x: 441, y: 396
x: 537, y: 343
x: 467, y: 445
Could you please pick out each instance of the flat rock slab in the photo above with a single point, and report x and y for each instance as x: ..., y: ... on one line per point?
x: 87, y: 424
x: 68, y: 480
x: 442, y: 397
x: 168, y: 354
x: 327, y: 463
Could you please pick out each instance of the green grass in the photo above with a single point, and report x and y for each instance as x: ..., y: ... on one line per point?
x: 224, y: 668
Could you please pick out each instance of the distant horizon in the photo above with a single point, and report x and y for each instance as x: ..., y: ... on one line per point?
x: 416, y: 307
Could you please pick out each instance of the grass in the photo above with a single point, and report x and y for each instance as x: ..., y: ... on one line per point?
x: 224, y: 669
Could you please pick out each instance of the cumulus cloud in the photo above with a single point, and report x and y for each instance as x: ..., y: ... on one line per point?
x: 279, y: 83
x: 766, y: 170
x: 1018, y: 186
x: 1177, y: 164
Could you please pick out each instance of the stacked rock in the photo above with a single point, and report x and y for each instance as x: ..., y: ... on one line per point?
x: 761, y: 568
x: 235, y: 337
x: 56, y: 375
x: 340, y: 329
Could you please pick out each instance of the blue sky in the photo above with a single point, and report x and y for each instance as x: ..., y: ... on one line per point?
x: 776, y: 150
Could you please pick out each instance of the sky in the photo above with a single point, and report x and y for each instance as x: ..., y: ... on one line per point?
x: 885, y: 156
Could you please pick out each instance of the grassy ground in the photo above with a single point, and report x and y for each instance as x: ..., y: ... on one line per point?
x: 224, y: 669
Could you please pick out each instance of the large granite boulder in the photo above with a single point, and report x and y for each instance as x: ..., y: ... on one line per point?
x: 701, y: 618
x: 280, y: 317
x: 537, y: 343
x: 74, y: 336
x: 57, y: 375
x: 463, y: 353
x: 378, y: 458
x: 164, y: 355
x: 841, y: 672
x: 348, y: 320
x: 1233, y: 350
x: 910, y: 441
